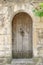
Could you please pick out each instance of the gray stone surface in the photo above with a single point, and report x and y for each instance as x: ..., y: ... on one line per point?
x: 22, y: 62
x: 7, y: 11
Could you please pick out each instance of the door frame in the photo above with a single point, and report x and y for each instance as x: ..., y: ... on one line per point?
x: 31, y: 31
x: 31, y: 19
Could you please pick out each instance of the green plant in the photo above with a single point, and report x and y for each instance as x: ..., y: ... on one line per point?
x: 29, y: 64
x: 41, y: 4
x: 39, y: 10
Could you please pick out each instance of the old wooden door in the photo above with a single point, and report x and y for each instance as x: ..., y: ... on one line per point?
x: 22, y: 36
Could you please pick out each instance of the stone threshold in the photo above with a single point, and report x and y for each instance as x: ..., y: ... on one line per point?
x: 22, y: 61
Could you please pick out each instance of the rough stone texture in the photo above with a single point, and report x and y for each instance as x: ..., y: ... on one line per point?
x: 7, y: 11
x: 16, y: 1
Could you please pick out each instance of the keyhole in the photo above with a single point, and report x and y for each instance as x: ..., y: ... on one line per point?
x: 22, y: 31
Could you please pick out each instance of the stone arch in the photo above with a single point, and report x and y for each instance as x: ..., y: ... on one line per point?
x: 20, y: 9
x: 25, y: 11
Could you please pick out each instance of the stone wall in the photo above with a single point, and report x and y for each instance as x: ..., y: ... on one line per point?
x: 7, y: 12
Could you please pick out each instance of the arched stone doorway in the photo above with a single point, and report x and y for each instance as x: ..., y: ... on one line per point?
x: 22, y: 36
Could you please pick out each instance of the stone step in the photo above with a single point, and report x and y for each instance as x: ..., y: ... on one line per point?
x: 22, y: 62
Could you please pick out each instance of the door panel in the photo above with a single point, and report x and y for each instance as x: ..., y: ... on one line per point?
x: 22, y: 36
